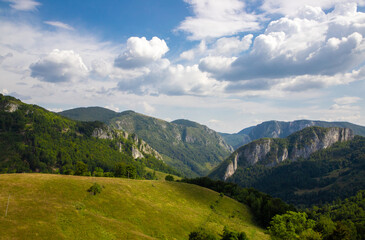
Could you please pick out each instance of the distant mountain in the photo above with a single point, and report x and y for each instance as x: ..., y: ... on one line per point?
x: 278, y: 129
x: 34, y: 139
x: 187, y: 146
x: 89, y: 114
x: 311, y: 166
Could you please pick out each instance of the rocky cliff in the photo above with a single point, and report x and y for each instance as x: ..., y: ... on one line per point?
x: 138, y: 146
x: 270, y: 151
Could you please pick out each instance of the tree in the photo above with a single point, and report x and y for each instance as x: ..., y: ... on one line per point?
x: 290, y: 226
x: 230, y: 235
x: 201, y: 234
x: 169, y: 178
x: 81, y: 169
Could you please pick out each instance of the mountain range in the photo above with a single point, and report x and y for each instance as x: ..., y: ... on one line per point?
x: 280, y: 129
x: 309, y: 166
x: 191, y: 148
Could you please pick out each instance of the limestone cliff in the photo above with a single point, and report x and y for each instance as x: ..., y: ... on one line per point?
x: 138, y: 148
x: 270, y: 151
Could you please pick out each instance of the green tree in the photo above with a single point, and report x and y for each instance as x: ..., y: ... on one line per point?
x: 230, y: 235
x: 81, y: 169
x: 169, y: 178
x: 289, y: 226
x: 201, y: 234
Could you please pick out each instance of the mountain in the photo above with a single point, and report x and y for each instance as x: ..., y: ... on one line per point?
x: 187, y: 146
x: 278, y: 129
x: 34, y: 139
x: 308, y: 167
x: 44, y: 206
x: 89, y: 114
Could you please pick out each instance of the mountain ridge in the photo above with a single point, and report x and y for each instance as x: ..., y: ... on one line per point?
x: 282, y: 129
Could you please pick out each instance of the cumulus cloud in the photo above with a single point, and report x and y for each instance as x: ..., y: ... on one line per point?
x: 59, y: 66
x: 299, y: 51
x: 59, y: 25
x: 141, y: 52
x: 173, y: 80
x: 214, y: 19
x: 23, y: 5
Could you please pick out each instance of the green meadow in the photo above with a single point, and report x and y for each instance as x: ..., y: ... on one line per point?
x: 46, y: 206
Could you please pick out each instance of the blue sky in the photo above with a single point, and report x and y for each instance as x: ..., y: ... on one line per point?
x: 225, y: 64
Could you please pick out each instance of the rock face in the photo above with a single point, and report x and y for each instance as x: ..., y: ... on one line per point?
x: 269, y: 151
x: 138, y: 148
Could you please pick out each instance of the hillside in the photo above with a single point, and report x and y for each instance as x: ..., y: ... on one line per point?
x: 324, y: 170
x: 279, y: 129
x: 187, y: 146
x: 58, y: 206
x: 34, y: 139
x: 89, y: 114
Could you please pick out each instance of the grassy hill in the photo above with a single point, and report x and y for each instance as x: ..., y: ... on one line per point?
x: 45, y: 206
x: 89, y: 114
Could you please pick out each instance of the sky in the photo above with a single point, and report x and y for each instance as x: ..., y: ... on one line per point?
x: 226, y: 64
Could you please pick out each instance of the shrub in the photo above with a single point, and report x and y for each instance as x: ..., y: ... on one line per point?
x: 169, y: 178
x: 95, y: 189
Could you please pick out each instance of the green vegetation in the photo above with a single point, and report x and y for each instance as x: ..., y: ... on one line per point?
x: 342, y: 220
x: 201, y: 234
x: 33, y: 139
x: 335, y: 172
x: 189, y: 147
x: 95, y: 189
x: 263, y: 206
x: 43, y: 206
x: 169, y: 178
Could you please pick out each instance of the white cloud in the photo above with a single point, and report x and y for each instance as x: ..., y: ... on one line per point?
x: 346, y: 100
x: 23, y: 5
x: 290, y: 7
x: 195, y: 52
x: 214, y: 19
x: 141, y: 52
x: 173, y: 80
x: 59, y: 25
x: 297, y: 53
x: 112, y: 107
x: 232, y: 45
x: 59, y: 66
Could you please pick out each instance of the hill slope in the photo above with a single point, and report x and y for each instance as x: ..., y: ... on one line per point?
x: 279, y: 129
x: 34, y: 139
x: 320, y: 174
x: 58, y: 206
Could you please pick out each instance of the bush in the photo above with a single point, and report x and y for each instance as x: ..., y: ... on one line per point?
x: 95, y: 189
x: 169, y: 178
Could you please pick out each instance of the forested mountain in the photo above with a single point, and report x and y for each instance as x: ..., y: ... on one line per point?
x: 311, y: 166
x: 89, y: 114
x: 279, y: 129
x: 34, y: 139
x: 189, y: 147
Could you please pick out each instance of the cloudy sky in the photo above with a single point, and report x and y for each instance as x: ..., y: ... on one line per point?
x: 226, y: 64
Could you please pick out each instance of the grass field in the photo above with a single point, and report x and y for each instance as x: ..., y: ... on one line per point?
x: 45, y: 206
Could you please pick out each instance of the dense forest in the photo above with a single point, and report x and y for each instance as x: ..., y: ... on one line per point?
x: 33, y: 139
x: 342, y: 220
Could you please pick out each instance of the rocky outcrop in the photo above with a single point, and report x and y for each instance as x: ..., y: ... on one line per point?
x: 11, y: 107
x: 139, y: 147
x: 269, y: 151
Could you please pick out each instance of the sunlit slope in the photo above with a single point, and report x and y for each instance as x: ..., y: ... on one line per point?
x: 45, y: 206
